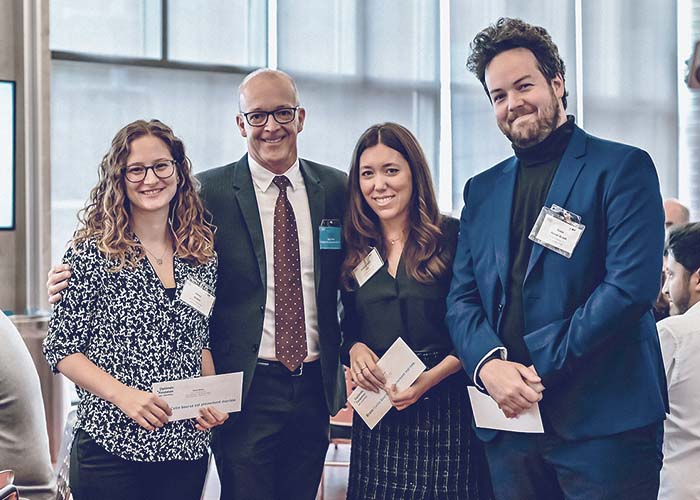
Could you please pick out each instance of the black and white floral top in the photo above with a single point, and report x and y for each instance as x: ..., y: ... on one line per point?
x: 125, y: 323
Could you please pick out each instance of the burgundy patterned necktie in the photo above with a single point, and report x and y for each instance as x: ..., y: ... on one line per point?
x: 290, y: 328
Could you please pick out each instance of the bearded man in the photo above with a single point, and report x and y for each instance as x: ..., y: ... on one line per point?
x: 555, y: 275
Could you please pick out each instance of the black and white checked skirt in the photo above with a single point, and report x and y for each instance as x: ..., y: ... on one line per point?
x: 426, y: 452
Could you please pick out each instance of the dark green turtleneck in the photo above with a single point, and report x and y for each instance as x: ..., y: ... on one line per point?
x: 536, y: 168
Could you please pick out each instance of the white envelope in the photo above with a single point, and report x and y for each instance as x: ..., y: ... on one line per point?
x: 186, y: 397
x: 401, y: 367
x: 488, y: 415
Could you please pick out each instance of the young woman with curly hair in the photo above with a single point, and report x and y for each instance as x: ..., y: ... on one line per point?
x: 424, y: 448
x: 124, y: 322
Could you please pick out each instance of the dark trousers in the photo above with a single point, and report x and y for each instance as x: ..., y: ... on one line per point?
x: 276, y: 447
x: 623, y: 466
x: 96, y: 474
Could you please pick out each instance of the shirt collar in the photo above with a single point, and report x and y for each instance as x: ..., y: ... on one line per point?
x: 695, y: 308
x: 262, y: 177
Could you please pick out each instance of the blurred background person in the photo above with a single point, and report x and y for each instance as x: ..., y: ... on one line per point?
x: 680, y: 345
x: 123, y: 323
x: 675, y: 213
x: 424, y: 447
x: 24, y: 443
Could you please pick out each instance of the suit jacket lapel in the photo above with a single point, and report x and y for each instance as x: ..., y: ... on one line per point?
x: 317, y: 204
x: 501, y: 211
x: 571, y: 164
x: 245, y: 195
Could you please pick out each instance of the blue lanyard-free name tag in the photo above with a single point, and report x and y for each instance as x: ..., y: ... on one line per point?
x: 329, y: 234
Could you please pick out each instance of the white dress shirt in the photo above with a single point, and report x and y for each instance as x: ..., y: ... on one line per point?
x: 680, y: 346
x: 266, y: 194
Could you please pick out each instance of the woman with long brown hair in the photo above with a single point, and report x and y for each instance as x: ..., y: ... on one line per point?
x: 424, y: 447
x: 125, y: 323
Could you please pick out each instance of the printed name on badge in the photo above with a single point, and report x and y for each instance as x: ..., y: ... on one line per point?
x: 368, y: 267
x: 329, y: 234
x: 195, y: 296
x: 557, y: 230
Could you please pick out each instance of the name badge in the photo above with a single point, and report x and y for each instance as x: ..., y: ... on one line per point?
x: 368, y: 267
x: 558, y: 230
x: 195, y: 296
x: 329, y: 234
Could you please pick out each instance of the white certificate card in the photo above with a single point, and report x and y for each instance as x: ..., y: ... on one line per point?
x: 488, y: 415
x: 401, y: 367
x: 186, y: 397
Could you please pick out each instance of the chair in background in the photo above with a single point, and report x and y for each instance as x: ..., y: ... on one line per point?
x: 8, y: 491
x: 340, y: 432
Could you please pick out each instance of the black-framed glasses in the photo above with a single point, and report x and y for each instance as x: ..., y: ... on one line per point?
x: 281, y: 116
x: 137, y: 173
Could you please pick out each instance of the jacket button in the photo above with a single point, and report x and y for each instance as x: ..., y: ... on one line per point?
x: 500, y: 307
x: 255, y: 348
x: 262, y: 308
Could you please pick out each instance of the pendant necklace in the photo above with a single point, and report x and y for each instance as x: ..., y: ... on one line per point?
x: 159, y: 260
x: 392, y: 241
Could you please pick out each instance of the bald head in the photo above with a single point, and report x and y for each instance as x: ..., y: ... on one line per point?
x: 676, y: 212
x: 270, y: 96
x: 265, y: 74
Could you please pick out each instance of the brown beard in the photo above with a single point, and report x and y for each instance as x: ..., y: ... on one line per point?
x: 542, y: 127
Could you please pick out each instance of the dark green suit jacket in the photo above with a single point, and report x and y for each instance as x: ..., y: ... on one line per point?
x: 237, y: 320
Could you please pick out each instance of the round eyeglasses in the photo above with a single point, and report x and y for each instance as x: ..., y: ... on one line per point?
x: 137, y: 173
x: 281, y: 116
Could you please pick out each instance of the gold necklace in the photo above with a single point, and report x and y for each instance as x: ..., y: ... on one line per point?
x: 392, y: 241
x: 159, y: 260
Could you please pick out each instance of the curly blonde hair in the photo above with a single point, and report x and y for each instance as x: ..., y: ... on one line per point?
x: 106, y: 215
x: 425, y: 254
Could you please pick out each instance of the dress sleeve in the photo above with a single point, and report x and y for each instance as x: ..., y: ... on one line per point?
x: 71, y: 321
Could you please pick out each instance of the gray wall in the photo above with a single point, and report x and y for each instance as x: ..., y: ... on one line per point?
x: 10, y: 53
x: 25, y: 58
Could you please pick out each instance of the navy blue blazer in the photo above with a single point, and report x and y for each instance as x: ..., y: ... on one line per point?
x: 588, y: 322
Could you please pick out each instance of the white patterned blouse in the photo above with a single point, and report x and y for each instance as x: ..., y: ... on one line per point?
x: 126, y: 324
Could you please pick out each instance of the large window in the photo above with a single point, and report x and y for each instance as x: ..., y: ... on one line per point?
x: 359, y: 63
x: 356, y: 62
x: 689, y: 108
x: 629, y: 83
x: 90, y: 102
x: 128, y: 28
x: 477, y: 143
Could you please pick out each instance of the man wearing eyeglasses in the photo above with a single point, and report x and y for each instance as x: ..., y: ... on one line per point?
x: 275, y: 316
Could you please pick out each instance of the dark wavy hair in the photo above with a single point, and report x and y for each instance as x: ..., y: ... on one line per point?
x: 507, y: 34
x: 684, y: 245
x: 106, y: 216
x: 425, y: 253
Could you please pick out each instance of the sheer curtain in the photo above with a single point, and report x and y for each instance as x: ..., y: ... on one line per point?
x: 689, y: 109
x: 477, y: 143
x: 360, y: 63
x: 628, y: 89
x: 91, y: 102
x: 630, y: 83
x: 356, y: 63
